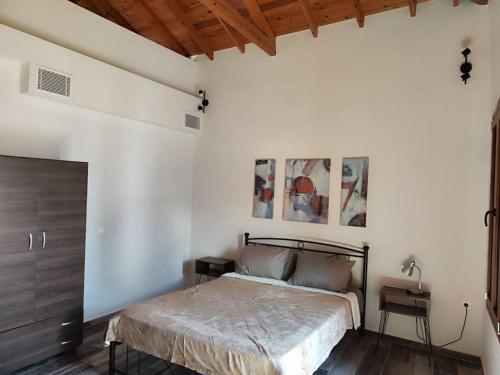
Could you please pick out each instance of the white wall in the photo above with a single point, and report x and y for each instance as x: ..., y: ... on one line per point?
x: 77, y: 29
x: 390, y: 91
x: 491, y: 346
x: 97, y: 85
x: 139, y: 202
x: 140, y: 175
x: 494, y: 13
x: 139, y: 192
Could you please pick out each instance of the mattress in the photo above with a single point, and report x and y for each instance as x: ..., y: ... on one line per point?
x: 239, y: 325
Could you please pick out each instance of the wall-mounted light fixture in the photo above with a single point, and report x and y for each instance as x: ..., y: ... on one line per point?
x: 466, y: 67
x: 204, y: 101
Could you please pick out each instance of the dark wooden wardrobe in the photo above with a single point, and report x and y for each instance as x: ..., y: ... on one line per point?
x: 42, y: 258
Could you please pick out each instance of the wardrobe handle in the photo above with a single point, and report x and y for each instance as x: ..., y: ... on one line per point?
x: 67, y: 342
x: 30, y: 247
x: 68, y: 323
x: 44, y: 240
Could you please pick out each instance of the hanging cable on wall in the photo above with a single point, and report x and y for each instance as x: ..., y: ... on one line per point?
x: 420, y: 330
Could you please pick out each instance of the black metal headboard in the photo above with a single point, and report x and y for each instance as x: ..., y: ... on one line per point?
x: 330, y: 248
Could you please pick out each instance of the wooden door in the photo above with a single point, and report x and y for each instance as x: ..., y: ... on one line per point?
x: 492, y: 220
x: 18, y: 220
x: 60, y: 257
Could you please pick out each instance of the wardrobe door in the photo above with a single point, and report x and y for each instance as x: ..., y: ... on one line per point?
x: 18, y: 228
x: 61, y: 220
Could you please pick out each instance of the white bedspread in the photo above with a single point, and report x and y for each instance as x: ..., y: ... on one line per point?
x: 350, y: 296
x: 239, y: 325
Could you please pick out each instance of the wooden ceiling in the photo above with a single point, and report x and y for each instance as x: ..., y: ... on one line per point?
x: 193, y: 27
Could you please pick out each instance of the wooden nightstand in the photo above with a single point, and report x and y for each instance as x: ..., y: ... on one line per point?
x: 399, y: 301
x: 212, y: 267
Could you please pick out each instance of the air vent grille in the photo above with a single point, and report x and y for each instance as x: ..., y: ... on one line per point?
x: 192, y: 122
x: 54, y: 82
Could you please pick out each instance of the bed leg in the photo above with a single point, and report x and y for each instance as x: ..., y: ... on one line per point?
x: 112, y: 348
x: 361, y: 331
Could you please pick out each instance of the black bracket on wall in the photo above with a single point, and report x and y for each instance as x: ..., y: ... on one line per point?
x: 204, y: 101
x: 466, y: 67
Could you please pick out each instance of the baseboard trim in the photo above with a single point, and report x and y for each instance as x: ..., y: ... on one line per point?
x: 472, y: 359
x: 98, y: 321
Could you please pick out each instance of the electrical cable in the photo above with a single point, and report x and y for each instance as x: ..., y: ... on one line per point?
x: 461, y: 332
x: 421, y: 331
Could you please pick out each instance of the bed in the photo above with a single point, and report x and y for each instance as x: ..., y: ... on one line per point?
x: 247, y: 325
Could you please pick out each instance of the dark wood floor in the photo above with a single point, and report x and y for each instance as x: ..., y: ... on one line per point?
x: 353, y: 355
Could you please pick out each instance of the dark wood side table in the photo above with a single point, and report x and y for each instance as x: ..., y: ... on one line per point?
x: 399, y: 301
x: 212, y: 267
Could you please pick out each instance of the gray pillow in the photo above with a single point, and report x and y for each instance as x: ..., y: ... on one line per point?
x: 322, y: 272
x: 290, y: 265
x: 264, y: 261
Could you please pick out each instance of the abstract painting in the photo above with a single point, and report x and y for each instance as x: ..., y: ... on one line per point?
x: 263, y: 198
x: 354, y: 192
x: 307, y: 188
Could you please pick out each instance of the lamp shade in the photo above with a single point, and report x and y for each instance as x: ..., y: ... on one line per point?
x: 408, y: 269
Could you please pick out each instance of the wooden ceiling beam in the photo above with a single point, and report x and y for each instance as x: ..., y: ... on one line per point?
x: 199, y: 39
x: 226, y: 12
x: 108, y: 11
x: 306, y: 8
x: 228, y: 23
x: 360, y: 16
x: 89, y: 6
x: 412, y: 4
x: 258, y: 17
x: 478, y: 2
x: 170, y: 41
x: 233, y: 34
